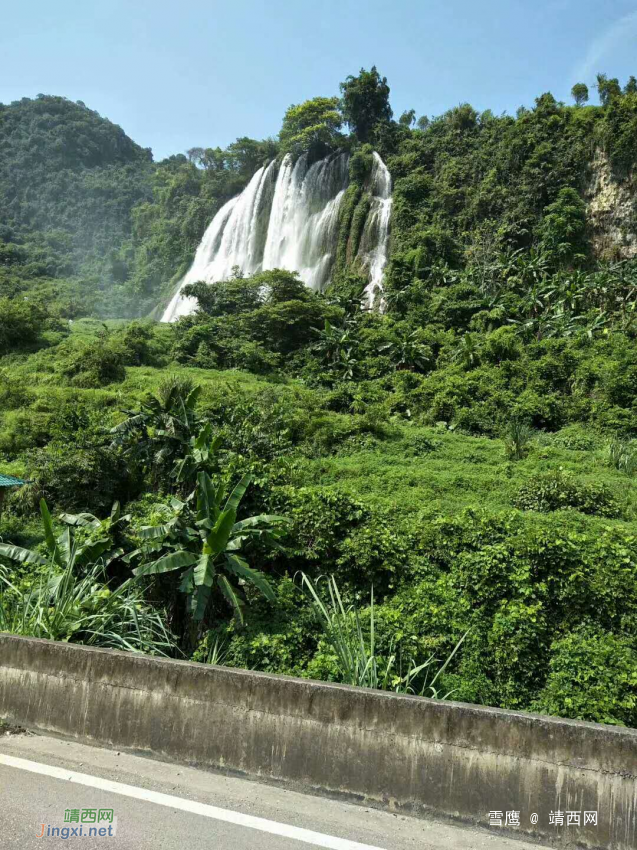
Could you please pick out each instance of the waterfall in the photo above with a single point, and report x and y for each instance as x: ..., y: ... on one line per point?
x: 374, y: 246
x: 289, y: 220
x: 208, y: 247
x: 304, y: 217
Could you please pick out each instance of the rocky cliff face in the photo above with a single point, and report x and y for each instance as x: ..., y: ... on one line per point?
x: 611, y: 211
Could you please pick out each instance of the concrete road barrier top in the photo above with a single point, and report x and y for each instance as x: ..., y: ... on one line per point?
x: 570, y: 783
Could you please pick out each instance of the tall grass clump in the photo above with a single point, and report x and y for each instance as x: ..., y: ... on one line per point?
x: 517, y: 439
x: 622, y: 456
x: 358, y: 659
x: 66, y: 607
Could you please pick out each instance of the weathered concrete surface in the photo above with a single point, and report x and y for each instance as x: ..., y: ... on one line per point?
x: 26, y: 799
x: 441, y: 758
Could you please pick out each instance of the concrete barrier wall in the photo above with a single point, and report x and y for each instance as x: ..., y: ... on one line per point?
x: 425, y: 757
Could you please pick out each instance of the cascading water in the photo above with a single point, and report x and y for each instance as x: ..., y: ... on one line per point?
x: 304, y: 217
x: 289, y: 220
x: 230, y: 240
x: 208, y: 247
x: 374, y: 245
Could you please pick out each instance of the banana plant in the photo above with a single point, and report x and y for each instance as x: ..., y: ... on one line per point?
x: 201, y: 455
x: 64, y: 550
x: 334, y: 342
x: 161, y: 430
x: 408, y: 353
x: 207, y: 546
x: 467, y: 353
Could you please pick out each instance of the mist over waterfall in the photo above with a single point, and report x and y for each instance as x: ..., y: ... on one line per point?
x: 288, y: 218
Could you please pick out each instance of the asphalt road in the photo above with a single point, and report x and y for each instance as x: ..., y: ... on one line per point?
x: 162, y: 805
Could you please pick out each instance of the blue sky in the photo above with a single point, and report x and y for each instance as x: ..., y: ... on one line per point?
x: 175, y: 75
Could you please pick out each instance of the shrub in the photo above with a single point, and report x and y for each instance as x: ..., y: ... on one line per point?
x: 517, y: 644
x: 592, y: 676
x: 79, y: 478
x: 541, y: 410
x: 360, y: 164
x: 501, y: 344
x: 556, y: 490
x: 354, y: 656
x: 24, y: 429
x: 21, y: 324
x: 520, y: 582
x: 13, y: 392
x: 575, y: 438
x: 377, y: 553
x: 136, y: 345
x: 278, y: 637
x: 322, y: 519
x: 253, y: 357
x: 94, y: 364
x: 422, y: 445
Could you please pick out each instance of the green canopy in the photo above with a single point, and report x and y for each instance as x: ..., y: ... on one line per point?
x: 10, y: 481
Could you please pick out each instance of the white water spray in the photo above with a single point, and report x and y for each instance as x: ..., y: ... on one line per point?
x: 291, y: 223
x: 374, y: 246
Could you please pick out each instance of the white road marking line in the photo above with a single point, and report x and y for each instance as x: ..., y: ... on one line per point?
x: 317, y: 839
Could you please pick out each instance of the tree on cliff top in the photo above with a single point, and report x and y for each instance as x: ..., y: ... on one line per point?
x: 365, y: 102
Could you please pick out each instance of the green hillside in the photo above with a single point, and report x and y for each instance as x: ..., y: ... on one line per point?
x: 454, y: 474
x: 69, y: 180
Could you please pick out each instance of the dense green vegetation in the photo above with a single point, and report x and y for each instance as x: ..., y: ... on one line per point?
x: 458, y: 469
x: 90, y: 225
x: 69, y: 181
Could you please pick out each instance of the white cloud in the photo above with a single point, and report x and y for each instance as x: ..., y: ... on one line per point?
x: 613, y: 37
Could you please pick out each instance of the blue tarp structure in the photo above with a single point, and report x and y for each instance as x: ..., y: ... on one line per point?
x: 10, y: 481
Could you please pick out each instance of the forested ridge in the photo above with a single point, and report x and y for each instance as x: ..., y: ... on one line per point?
x: 265, y: 480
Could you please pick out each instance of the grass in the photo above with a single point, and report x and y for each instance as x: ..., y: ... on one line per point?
x: 456, y: 472
x: 354, y: 644
x: 462, y: 471
x: 408, y: 473
x: 82, y: 609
